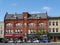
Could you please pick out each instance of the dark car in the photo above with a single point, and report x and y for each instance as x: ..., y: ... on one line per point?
x: 45, y: 41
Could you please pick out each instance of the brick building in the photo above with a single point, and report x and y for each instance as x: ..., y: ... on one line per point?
x: 18, y: 26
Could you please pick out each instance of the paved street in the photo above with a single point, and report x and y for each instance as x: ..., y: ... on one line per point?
x: 30, y: 43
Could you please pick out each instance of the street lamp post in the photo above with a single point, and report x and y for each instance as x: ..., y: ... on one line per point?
x: 25, y: 37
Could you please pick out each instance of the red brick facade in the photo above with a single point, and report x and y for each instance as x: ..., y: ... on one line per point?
x: 24, y: 28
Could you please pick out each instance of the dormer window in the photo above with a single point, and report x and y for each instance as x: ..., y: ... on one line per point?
x: 15, y: 16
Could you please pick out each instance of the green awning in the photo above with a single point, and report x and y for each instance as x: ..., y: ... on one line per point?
x: 54, y: 34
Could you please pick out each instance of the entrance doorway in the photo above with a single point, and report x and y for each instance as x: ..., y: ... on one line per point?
x: 54, y: 39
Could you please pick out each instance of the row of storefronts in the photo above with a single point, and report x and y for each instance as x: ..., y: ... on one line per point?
x: 25, y: 26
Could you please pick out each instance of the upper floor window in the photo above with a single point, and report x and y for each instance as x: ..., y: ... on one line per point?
x: 0, y: 29
x: 49, y: 30
x: 49, y: 23
x: 42, y: 24
x: 18, y: 25
x: 31, y: 24
x: 8, y: 25
x: 56, y: 29
x: 53, y: 29
x: 56, y: 23
x: 53, y: 23
x: 18, y: 31
x: 44, y: 31
x: 31, y: 31
x: 9, y: 31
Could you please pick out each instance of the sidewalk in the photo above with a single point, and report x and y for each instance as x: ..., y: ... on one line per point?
x: 54, y: 42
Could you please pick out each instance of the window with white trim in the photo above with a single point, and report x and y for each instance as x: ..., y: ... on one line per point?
x: 1, y: 29
x: 18, y: 31
x: 41, y: 24
x: 56, y: 29
x: 9, y: 31
x: 18, y: 25
x: 56, y: 23
x: 31, y: 31
x: 44, y: 31
x: 53, y: 29
x: 9, y: 25
x: 31, y: 25
x: 53, y: 23
x: 49, y: 23
x: 49, y: 30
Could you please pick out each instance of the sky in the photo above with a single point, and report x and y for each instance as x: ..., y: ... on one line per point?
x: 32, y: 6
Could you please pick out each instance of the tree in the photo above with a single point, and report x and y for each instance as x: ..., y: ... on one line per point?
x: 39, y: 32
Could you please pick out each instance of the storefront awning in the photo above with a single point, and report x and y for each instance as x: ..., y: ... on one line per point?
x: 34, y: 35
x: 54, y: 34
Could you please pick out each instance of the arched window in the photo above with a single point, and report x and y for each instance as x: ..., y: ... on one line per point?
x: 31, y: 24
x: 18, y: 25
x: 41, y: 24
x: 9, y: 25
x: 9, y: 31
x: 31, y: 31
x: 18, y: 31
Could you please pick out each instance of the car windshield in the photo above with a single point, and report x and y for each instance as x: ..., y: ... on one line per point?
x: 44, y: 37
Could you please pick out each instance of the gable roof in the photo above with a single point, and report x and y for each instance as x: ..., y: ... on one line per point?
x: 30, y: 16
x: 38, y: 16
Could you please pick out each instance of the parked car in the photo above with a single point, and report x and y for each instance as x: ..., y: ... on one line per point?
x: 28, y: 41
x: 5, y: 41
x: 44, y: 41
x: 19, y: 41
x: 37, y: 41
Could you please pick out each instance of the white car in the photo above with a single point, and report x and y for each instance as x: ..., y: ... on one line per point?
x: 19, y: 41
x: 29, y: 41
x: 37, y: 41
